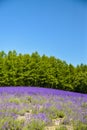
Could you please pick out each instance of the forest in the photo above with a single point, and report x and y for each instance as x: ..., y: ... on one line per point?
x: 41, y: 71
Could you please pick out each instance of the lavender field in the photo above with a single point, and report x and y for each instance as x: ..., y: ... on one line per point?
x: 33, y: 108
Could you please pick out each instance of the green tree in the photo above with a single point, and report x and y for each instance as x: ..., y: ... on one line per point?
x: 80, y: 82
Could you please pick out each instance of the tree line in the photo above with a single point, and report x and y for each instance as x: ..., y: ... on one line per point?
x: 43, y: 71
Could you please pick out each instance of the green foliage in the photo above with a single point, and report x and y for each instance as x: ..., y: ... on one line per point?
x: 80, y: 126
x: 80, y: 83
x: 8, y: 123
x: 53, y: 112
x: 35, y: 70
x: 35, y: 125
x: 15, y: 100
x: 61, y: 128
x: 28, y: 99
x: 84, y: 104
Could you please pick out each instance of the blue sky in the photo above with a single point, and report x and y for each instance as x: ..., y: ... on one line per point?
x: 51, y: 27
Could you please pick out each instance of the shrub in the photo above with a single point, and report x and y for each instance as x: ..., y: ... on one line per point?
x: 9, y: 123
x: 54, y: 113
x: 35, y: 125
x: 15, y: 100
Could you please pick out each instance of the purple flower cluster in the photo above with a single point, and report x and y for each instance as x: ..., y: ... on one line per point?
x: 73, y: 104
x: 41, y: 116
